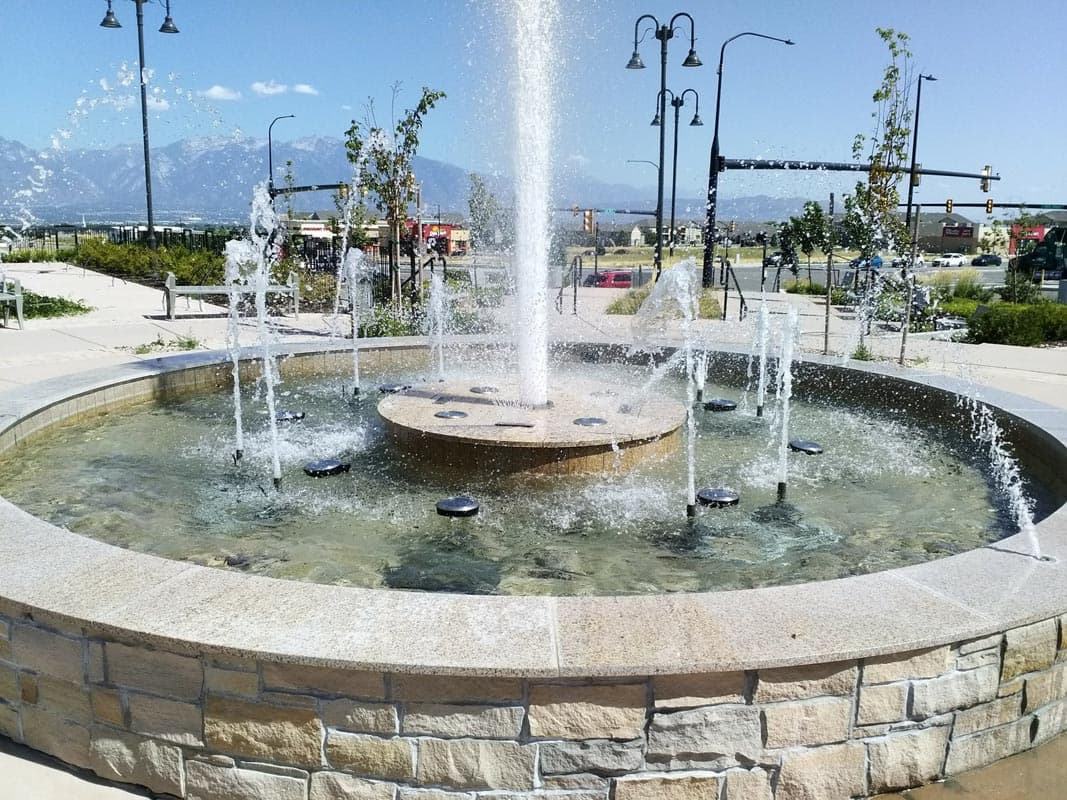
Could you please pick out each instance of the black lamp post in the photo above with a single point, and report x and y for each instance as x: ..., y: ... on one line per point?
x: 678, y: 101
x: 270, y: 154
x: 708, y: 274
x: 168, y: 26
x: 664, y: 33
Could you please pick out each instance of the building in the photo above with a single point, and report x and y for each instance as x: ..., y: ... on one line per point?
x: 946, y: 233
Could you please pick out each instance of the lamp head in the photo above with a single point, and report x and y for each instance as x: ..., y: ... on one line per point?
x: 655, y: 120
x: 696, y: 121
x: 168, y: 25
x: 789, y: 41
x: 109, y: 20
x: 692, y: 60
x: 635, y: 61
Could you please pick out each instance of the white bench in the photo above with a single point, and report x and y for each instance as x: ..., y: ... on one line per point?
x: 11, y: 295
x: 172, y: 290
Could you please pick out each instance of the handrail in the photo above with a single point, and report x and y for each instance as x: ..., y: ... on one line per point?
x: 726, y: 293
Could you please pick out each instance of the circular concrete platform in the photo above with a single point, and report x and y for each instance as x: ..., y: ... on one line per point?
x: 587, y: 427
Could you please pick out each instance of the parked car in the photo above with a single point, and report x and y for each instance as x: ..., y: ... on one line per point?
x: 950, y: 260
x: 1047, y: 259
x: 985, y: 260
x: 615, y: 279
x: 902, y: 261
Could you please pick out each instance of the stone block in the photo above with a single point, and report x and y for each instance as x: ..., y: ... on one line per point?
x: 371, y: 756
x: 579, y: 780
x: 107, y: 706
x: 915, y: 664
x: 285, y: 734
x: 9, y: 685
x: 988, y: 715
x: 207, y: 781
x: 599, y: 756
x: 154, y: 671
x: 1012, y: 687
x: 48, y: 653
x: 700, y: 786
x: 1029, y: 649
x: 131, y: 759
x: 904, y: 760
x: 952, y: 692
x: 66, y: 740
x: 587, y: 712
x: 476, y: 764
x: 231, y: 681
x: 5, y: 628
x: 1051, y: 721
x: 339, y: 786
x: 5, y: 650
x: 323, y: 681
x: 797, y: 683
x: 67, y: 700
x: 28, y: 688
x: 169, y: 720
x: 574, y: 794
x: 712, y: 737
x: 455, y: 689
x: 700, y: 689
x: 356, y: 717
x: 748, y: 784
x: 822, y: 773
x: 408, y: 793
x: 807, y: 723
x: 979, y: 658
x: 970, y: 752
x: 9, y: 722
x: 1063, y: 632
x: 882, y: 703
x: 480, y: 722
x: 1046, y: 687
x: 985, y: 643
x: 96, y: 672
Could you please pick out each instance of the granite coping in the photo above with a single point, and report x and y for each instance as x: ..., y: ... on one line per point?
x: 78, y: 582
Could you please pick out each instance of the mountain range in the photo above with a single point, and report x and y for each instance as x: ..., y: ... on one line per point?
x: 210, y: 179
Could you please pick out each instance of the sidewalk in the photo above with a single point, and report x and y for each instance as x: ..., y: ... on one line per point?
x: 127, y: 316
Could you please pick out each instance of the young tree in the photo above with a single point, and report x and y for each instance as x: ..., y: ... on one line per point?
x: 484, y: 212
x: 383, y: 161
x: 871, y: 217
x: 809, y: 231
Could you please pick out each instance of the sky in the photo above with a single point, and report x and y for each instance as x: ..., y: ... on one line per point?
x: 238, y: 64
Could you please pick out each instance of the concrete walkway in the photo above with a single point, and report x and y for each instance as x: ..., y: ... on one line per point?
x: 128, y: 318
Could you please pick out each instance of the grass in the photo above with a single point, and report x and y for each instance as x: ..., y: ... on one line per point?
x: 188, y: 342
x: 40, y: 306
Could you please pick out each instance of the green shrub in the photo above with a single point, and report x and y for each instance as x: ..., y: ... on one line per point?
x: 958, y: 307
x: 1024, y: 325
x: 135, y: 262
x: 1018, y: 288
x: 38, y: 254
x: 804, y: 287
x: 39, y: 306
x: 629, y: 303
x: 969, y: 286
x: 387, y: 320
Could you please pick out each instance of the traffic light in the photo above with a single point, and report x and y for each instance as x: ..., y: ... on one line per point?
x: 733, y: 227
x: 948, y: 206
x: 576, y: 210
x: 587, y: 220
x: 915, y: 175
x: 989, y: 206
x: 986, y: 170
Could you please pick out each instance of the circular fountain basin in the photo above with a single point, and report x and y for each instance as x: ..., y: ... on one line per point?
x: 795, y: 684
x: 557, y: 438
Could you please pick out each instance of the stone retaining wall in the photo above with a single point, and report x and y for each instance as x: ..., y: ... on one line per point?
x: 225, y: 728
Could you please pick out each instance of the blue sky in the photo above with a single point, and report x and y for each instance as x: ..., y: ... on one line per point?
x: 236, y: 65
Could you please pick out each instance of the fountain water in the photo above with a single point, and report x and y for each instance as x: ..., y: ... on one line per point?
x: 763, y: 330
x: 438, y: 307
x: 239, y: 256
x: 789, y: 334
x: 534, y: 36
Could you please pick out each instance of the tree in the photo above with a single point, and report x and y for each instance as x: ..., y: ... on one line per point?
x: 383, y: 164
x: 809, y: 231
x: 871, y: 217
x: 484, y: 212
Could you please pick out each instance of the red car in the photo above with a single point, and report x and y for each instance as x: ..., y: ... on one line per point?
x: 615, y: 279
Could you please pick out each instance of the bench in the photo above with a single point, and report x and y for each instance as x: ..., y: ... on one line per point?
x: 11, y: 295
x: 172, y: 291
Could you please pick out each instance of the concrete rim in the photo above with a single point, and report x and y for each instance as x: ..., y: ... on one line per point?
x: 51, y: 573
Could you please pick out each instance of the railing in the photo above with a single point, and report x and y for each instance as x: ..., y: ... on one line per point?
x: 575, y: 276
x: 728, y: 275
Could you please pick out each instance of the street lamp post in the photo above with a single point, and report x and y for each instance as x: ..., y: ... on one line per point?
x: 678, y: 101
x: 708, y: 273
x: 907, y: 218
x: 168, y: 26
x: 664, y: 33
x: 270, y: 154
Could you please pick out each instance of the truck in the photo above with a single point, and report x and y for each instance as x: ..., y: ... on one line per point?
x: 1046, y: 259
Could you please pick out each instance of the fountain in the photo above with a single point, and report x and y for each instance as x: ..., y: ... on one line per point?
x: 925, y: 641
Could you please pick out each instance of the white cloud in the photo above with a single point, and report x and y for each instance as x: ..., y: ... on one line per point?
x: 217, y: 92
x: 304, y: 88
x: 269, y: 88
x: 158, y: 104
